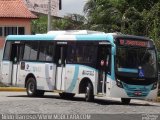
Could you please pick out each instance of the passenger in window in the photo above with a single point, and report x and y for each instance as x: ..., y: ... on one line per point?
x: 122, y: 61
x: 48, y: 58
x: 79, y: 57
x: 71, y: 55
x: 147, y: 66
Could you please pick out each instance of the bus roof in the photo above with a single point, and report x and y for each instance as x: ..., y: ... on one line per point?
x: 75, y: 32
x: 74, y: 37
x: 132, y: 37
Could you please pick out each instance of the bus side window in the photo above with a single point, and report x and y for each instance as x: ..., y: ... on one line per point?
x: 57, y: 56
x: 21, y: 52
x: 14, y: 53
x: 71, y: 58
x: 49, y: 52
x: 108, y: 60
x: 46, y: 51
x: 7, y: 51
x: 81, y: 54
x: 30, y: 51
x: 104, y: 54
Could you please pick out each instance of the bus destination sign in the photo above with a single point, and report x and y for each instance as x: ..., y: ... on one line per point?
x: 127, y: 42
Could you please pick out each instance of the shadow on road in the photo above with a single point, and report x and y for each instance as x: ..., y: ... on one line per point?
x: 81, y: 99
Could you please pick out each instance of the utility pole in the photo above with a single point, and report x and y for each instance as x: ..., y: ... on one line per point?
x: 49, y: 15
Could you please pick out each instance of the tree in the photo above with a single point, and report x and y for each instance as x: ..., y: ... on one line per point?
x: 69, y: 22
x: 100, y: 18
x: 152, y: 19
x: 141, y: 5
x: 130, y: 17
x: 39, y: 25
x: 132, y: 22
x: 121, y: 5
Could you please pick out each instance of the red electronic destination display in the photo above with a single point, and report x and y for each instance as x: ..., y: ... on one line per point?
x: 127, y: 42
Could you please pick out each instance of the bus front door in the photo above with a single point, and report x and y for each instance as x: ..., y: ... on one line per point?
x: 103, y: 57
x: 60, y: 61
x: 15, y: 53
x: 10, y: 67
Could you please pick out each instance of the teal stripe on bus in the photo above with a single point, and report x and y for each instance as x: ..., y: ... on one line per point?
x: 30, y: 37
x: 92, y: 37
x: 74, y: 80
x: 103, y: 37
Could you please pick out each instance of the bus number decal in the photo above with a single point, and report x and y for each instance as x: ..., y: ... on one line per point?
x: 91, y: 73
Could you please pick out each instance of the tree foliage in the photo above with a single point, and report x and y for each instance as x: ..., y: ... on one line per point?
x: 69, y: 22
x: 138, y: 17
x: 141, y: 5
x: 39, y: 25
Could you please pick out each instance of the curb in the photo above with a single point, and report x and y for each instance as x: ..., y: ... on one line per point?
x: 158, y: 99
x: 13, y: 89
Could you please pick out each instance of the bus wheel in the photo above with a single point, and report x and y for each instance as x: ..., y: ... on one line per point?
x: 89, y: 93
x: 31, y: 88
x: 67, y: 95
x: 125, y: 101
x: 40, y: 93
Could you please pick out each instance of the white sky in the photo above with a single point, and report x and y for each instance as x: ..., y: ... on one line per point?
x: 72, y: 6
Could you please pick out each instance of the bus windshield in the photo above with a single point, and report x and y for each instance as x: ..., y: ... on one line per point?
x: 139, y: 62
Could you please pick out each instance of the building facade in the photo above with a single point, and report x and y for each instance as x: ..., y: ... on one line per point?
x: 41, y: 6
x: 15, y: 19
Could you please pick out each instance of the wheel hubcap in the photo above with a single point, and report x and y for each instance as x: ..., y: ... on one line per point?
x: 87, y: 90
x: 31, y: 88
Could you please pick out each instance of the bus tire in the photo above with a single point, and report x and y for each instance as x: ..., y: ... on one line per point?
x: 125, y: 101
x: 89, y: 97
x: 31, y: 88
x: 66, y: 95
x: 40, y: 93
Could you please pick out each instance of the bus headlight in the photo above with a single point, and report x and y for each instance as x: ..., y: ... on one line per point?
x: 154, y: 86
x: 119, y: 83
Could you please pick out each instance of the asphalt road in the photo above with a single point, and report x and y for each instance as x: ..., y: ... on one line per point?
x: 20, y: 103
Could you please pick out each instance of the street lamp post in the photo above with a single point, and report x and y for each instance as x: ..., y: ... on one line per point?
x: 49, y: 15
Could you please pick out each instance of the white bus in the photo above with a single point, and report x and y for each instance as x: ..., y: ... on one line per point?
x: 82, y: 62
